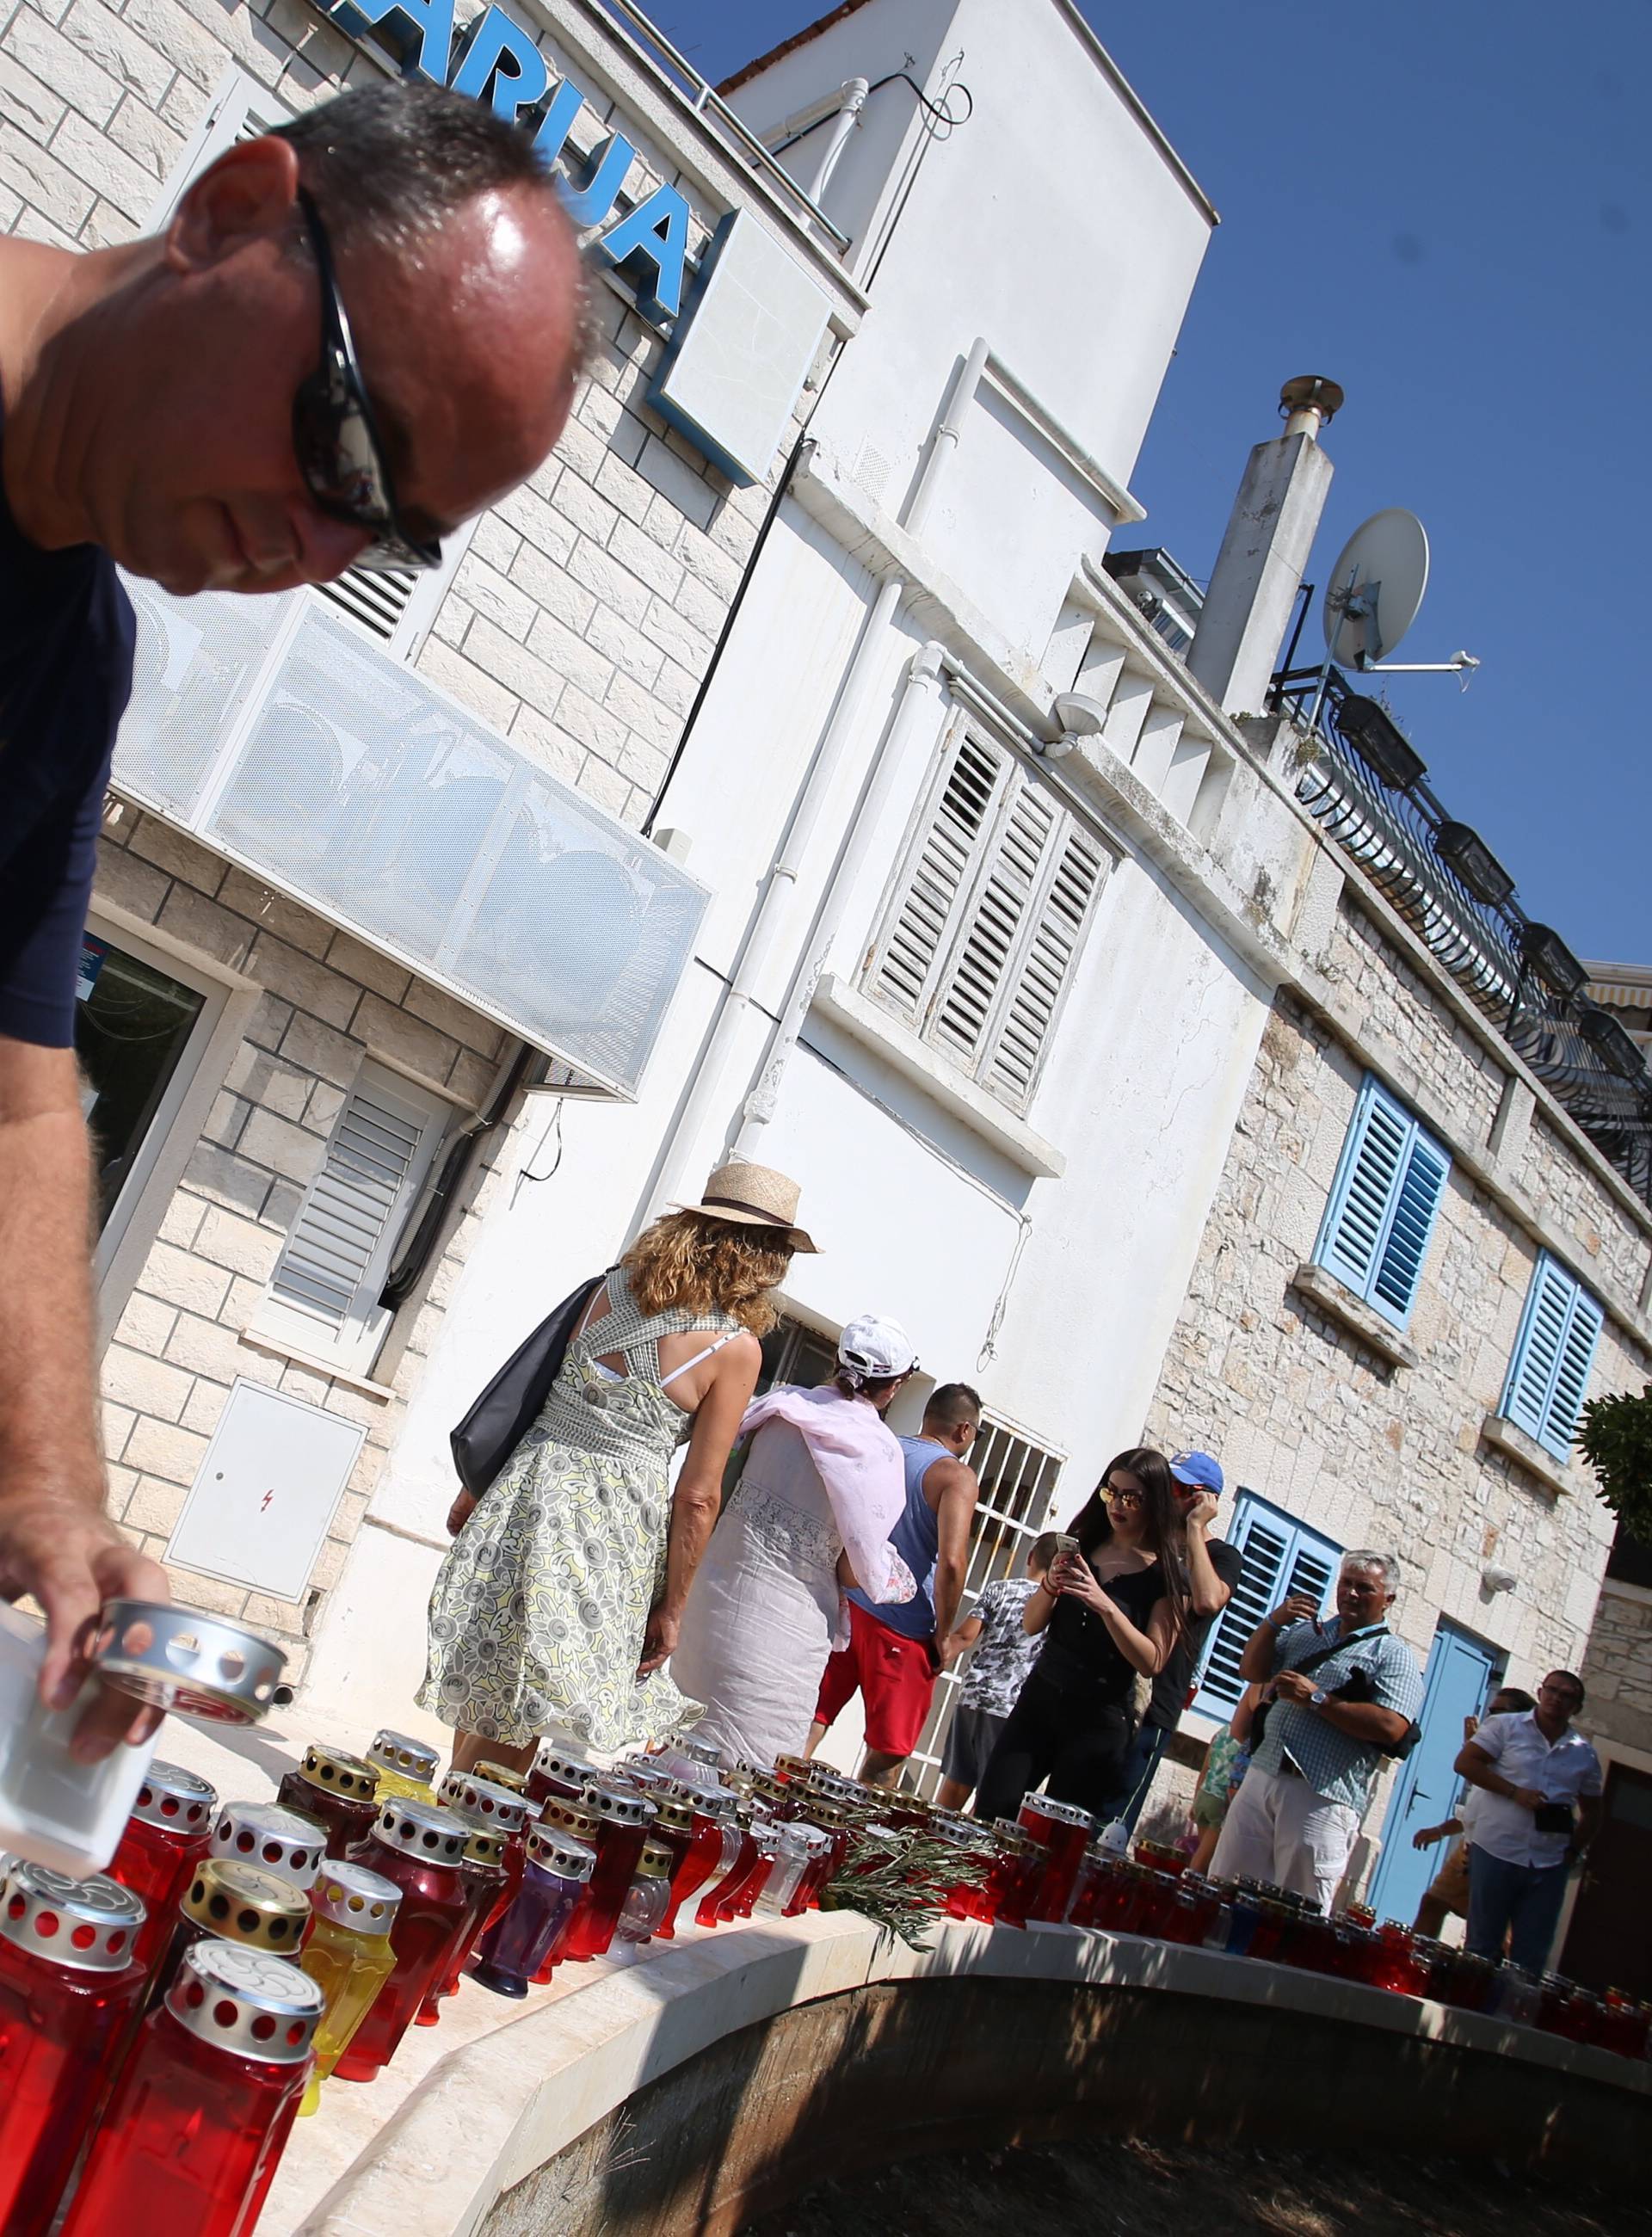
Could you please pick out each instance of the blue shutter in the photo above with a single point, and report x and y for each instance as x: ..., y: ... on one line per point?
x: 1380, y: 1219
x: 1281, y: 1556
x: 1549, y: 1374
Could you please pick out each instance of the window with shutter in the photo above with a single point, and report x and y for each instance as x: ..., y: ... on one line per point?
x: 396, y: 608
x: 1281, y: 1556
x: 1386, y: 1198
x: 324, y: 1293
x: 988, y: 915
x: 1548, y: 1373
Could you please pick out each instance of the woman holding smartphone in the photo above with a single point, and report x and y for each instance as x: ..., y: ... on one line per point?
x: 1114, y: 1605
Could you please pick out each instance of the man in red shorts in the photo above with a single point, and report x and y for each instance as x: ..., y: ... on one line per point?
x: 895, y: 1652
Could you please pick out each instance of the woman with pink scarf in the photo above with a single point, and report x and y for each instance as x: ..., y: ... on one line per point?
x: 822, y: 1489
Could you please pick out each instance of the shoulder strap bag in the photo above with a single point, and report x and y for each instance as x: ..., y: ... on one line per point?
x: 506, y: 1409
x: 1309, y: 1662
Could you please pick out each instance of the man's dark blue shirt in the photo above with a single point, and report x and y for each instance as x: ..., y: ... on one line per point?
x: 67, y: 632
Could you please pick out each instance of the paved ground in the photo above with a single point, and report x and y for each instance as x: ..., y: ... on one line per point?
x: 1113, y: 2188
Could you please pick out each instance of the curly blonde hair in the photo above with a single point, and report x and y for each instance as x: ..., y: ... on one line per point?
x: 708, y: 1265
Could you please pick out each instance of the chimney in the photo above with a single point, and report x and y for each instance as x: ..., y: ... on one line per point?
x: 1270, y: 534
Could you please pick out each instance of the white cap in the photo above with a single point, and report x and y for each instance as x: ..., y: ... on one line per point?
x: 874, y: 1346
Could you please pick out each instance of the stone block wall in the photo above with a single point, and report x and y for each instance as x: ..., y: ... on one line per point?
x: 325, y: 1003
x: 1306, y: 1413
x: 1618, y: 1669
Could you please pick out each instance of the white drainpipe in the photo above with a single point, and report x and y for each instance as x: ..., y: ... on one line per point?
x: 769, y: 919
x: 853, y: 100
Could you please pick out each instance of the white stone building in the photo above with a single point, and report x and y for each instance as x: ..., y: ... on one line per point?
x: 998, y: 927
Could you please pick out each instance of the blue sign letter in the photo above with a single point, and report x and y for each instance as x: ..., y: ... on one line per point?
x: 498, y: 54
x: 654, y: 238
x: 590, y: 204
x: 419, y: 33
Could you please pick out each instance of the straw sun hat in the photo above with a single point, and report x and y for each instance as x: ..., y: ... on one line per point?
x: 753, y: 1195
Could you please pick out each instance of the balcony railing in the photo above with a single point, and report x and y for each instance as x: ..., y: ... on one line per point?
x: 1393, y: 831
x: 280, y: 737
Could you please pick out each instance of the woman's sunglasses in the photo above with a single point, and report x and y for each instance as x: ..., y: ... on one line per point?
x: 1120, y: 1498
x: 340, y: 454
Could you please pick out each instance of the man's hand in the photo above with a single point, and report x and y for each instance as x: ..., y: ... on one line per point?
x: 72, y: 1558
x: 1527, y: 1798
x: 947, y: 1651
x: 1202, y: 1511
x: 1292, y: 1686
x: 1296, y: 1608
x: 1427, y: 1836
x: 460, y: 1512
x: 660, y: 1641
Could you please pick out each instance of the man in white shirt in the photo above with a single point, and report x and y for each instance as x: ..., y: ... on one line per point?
x: 1541, y: 1784
x: 1448, y: 1891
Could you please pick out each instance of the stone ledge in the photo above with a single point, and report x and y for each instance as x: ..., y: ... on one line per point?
x: 1499, y: 1431
x: 1374, y: 1332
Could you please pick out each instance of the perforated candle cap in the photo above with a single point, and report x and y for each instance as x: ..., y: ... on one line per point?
x: 335, y: 1772
x: 500, y: 1774
x: 243, y: 1902
x: 557, y: 1760
x: 484, y: 1844
x: 676, y: 1816
x: 422, y: 1830
x: 620, y: 1805
x: 276, y: 1840
x: 574, y: 1818
x: 179, y: 1658
x: 413, y: 1758
x: 349, y: 1895
x: 246, y: 2002
x: 472, y: 1797
x: 698, y: 1751
x: 174, y: 1799
x: 563, y: 1853
x: 87, y: 1926
x: 655, y: 1862
x: 1063, y: 1813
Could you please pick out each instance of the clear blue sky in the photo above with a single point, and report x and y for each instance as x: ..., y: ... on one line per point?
x: 1446, y: 206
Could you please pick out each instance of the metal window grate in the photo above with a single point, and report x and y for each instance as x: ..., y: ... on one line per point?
x: 1018, y: 1490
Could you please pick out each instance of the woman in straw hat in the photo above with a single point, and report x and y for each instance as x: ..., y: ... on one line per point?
x: 561, y: 1595
x: 823, y: 1484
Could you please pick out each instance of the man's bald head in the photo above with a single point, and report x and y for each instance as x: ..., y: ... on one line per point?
x: 174, y: 380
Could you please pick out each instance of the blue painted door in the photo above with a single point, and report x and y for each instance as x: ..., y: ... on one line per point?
x: 1461, y: 1673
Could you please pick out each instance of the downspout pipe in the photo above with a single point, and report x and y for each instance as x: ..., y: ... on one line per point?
x: 853, y: 101
x: 404, y: 1276
x: 847, y: 723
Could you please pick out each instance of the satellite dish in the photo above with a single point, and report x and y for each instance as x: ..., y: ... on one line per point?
x: 1375, y: 587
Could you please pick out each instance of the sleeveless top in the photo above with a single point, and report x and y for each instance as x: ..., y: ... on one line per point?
x: 633, y: 1417
x: 917, y: 1539
x: 1078, y: 1649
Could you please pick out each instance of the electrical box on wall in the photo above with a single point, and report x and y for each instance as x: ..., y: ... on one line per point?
x: 259, y: 1508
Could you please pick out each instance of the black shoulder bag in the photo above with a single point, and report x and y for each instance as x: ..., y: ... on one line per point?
x: 496, y: 1424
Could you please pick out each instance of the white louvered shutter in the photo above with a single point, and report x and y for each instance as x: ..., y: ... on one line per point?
x: 1077, y: 869
x: 325, y: 1288
x: 1549, y: 1374
x: 992, y: 936
x: 958, y: 824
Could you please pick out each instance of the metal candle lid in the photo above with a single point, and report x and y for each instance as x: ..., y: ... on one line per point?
x: 413, y: 1758
x: 349, y: 1895
x: 276, y: 1840
x: 620, y: 1805
x: 768, y: 1834
x: 84, y: 1925
x: 420, y: 1829
x: 336, y: 1772
x: 462, y: 1790
x: 243, y: 1904
x: 179, y: 1658
x: 655, y: 1862
x: 174, y: 1799
x: 484, y: 1844
x: 500, y: 1774
x: 557, y: 1851
x: 572, y: 1818
x: 676, y: 1815
x: 1063, y: 1813
x: 557, y: 1760
x: 697, y: 1750
x: 245, y: 2000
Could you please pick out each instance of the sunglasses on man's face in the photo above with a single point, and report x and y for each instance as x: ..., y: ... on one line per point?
x: 340, y: 452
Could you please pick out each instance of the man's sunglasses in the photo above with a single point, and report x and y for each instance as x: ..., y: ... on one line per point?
x: 339, y: 454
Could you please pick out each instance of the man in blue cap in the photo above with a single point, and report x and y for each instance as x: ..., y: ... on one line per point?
x: 1214, y: 1569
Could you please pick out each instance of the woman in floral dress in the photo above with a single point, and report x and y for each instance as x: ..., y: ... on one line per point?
x: 561, y: 1595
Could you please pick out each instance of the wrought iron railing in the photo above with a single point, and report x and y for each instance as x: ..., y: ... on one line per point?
x: 1394, y: 831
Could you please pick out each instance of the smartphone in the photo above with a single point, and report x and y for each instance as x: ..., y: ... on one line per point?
x: 1065, y: 1543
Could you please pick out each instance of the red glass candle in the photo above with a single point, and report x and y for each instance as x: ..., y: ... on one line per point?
x: 734, y: 1844
x: 165, y: 1837
x: 717, y: 1904
x: 70, y: 1985
x: 339, y: 1792
x: 482, y: 1870
x: 767, y: 1835
x: 195, y: 2129
x: 623, y: 1820
x: 418, y: 1848
x: 481, y: 1802
x: 1063, y: 1831
x: 560, y: 1773
x: 285, y: 1842
x: 228, y: 1901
